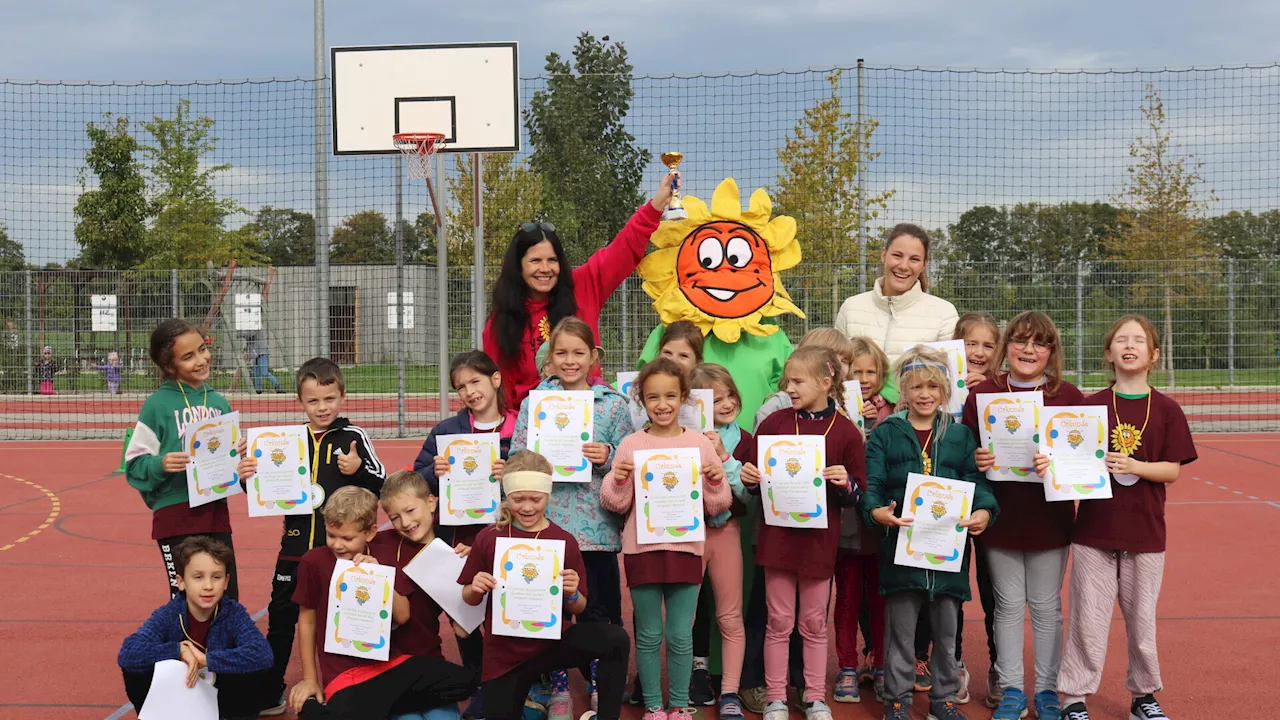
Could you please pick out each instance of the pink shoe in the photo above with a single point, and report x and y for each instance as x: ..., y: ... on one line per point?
x: 655, y: 714
x: 681, y: 713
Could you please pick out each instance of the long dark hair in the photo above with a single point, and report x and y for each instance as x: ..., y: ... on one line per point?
x: 509, y: 292
x: 479, y: 362
x: 163, y: 339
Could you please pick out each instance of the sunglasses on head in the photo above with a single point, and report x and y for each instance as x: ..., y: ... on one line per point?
x: 530, y: 227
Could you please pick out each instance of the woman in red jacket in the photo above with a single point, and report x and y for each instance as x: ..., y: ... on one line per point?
x: 531, y: 295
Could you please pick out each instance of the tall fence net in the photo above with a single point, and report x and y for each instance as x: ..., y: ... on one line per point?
x: 1019, y: 174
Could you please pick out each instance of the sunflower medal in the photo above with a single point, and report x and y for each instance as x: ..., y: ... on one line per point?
x: 1127, y: 438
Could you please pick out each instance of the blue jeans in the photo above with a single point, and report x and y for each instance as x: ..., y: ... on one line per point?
x: 448, y: 712
x: 261, y: 371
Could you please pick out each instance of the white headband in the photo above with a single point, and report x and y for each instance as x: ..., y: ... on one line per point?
x: 526, y: 481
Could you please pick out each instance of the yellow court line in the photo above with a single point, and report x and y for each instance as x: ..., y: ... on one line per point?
x: 53, y: 512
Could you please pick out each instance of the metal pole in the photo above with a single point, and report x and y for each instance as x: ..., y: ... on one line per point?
x: 1080, y: 322
x: 477, y: 275
x: 31, y: 357
x: 626, y: 325
x: 321, y: 182
x: 173, y: 293
x: 862, y: 225
x: 1231, y: 322
x: 400, y: 304
x: 442, y: 287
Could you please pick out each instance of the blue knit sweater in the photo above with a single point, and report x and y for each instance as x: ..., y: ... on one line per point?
x: 236, y: 646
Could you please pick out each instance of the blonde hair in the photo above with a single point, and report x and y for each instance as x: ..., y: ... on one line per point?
x: 405, y: 482
x: 352, y: 504
x: 1153, y: 340
x: 829, y: 338
x: 523, y: 461
x: 820, y: 363
x: 971, y: 320
x: 922, y: 364
x: 706, y: 375
x: 863, y: 345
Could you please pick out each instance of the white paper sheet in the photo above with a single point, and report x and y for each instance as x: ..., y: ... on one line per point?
x: 668, y: 496
x: 559, y: 422
x: 169, y: 696
x: 1075, y: 439
x: 435, y: 569
x: 793, y: 490
x: 699, y: 412
x: 469, y: 492
x: 529, y: 599
x: 211, y: 472
x: 282, y: 484
x: 626, y: 383
x: 853, y: 404
x: 1009, y: 426
x: 934, y: 541
x: 359, y: 610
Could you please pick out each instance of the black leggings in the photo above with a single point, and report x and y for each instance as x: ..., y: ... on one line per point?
x: 238, y: 695
x: 504, y: 695
x: 417, y: 684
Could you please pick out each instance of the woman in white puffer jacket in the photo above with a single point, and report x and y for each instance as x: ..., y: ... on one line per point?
x: 899, y: 313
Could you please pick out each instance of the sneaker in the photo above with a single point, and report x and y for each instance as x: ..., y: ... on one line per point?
x: 994, y: 691
x: 1013, y: 706
x: 1048, y: 705
x: 1075, y: 711
x: 945, y: 711
x: 700, y: 688
x: 560, y: 707
x: 753, y: 700
x: 730, y: 707
x: 846, y: 690
x: 962, y: 694
x: 686, y: 713
x: 866, y: 674
x: 1146, y: 708
x: 636, y: 696
x: 655, y: 714
x: 817, y: 710
x: 924, y: 681
x: 777, y: 710
x: 475, y: 708
x: 277, y: 709
x: 896, y: 711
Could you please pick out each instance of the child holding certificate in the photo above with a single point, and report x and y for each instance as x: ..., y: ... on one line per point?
x: 800, y: 562
x: 513, y: 664
x: 348, y: 687
x: 1118, y: 544
x: 575, y: 506
x: 1025, y: 556
x: 156, y: 458
x: 921, y: 439
x: 664, y: 573
x: 829, y: 338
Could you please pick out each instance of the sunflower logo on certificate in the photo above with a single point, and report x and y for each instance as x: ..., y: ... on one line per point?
x: 669, y: 480
x: 938, y: 509
x: 1012, y: 423
x: 529, y: 572
x: 362, y: 594
x: 793, y: 466
x: 214, y: 444
x: 470, y: 464
x: 1075, y: 439
x: 562, y: 420
x: 277, y: 456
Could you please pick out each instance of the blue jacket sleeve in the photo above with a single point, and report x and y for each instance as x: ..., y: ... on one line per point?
x: 425, y: 465
x: 156, y: 640
x: 247, y: 650
x: 520, y: 436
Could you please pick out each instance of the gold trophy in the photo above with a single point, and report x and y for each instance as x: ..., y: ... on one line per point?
x: 675, y: 209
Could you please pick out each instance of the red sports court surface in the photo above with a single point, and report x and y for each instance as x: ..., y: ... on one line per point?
x: 79, y: 573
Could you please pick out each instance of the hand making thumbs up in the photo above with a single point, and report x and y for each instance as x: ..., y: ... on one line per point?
x: 349, y: 462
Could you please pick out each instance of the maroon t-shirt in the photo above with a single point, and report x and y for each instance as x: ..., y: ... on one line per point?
x: 421, y: 635
x: 198, y: 630
x: 314, y: 573
x: 662, y: 566
x: 808, y: 552
x: 1028, y: 523
x: 503, y: 654
x: 182, y: 519
x: 1133, y: 518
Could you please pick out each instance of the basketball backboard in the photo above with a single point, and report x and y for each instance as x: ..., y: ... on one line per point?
x: 468, y: 91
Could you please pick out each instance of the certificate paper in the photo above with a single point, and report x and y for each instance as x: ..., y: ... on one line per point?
x: 1009, y: 426
x: 698, y: 414
x: 282, y: 485
x: 1075, y: 439
x: 957, y: 369
x: 934, y: 540
x: 853, y: 404
x: 211, y: 472
x: 669, y: 496
x: 435, y: 569
x: 794, y: 492
x: 528, y: 602
x: 169, y: 697
x: 559, y: 422
x: 626, y: 384
x: 360, y: 610
x: 469, y: 492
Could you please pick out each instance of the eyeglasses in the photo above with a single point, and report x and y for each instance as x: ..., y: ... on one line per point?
x: 1040, y: 347
x: 531, y: 227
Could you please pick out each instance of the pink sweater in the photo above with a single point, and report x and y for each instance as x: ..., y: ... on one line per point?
x: 620, y: 496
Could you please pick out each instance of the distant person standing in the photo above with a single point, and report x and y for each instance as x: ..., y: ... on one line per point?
x: 259, y: 351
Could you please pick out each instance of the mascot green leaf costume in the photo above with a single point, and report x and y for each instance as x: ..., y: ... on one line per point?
x: 720, y: 269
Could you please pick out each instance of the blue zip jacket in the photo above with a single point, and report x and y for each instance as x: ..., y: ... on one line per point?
x: 576, y: 506
x: 235, y: 645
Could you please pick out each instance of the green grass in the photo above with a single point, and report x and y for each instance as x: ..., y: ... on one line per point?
x: 359, y: 379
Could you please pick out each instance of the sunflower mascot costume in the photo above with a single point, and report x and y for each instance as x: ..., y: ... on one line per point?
x: 720, y: 269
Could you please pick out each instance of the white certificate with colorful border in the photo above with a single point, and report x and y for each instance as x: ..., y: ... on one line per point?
x: 559, y: 422
x: 668, y: 487
x: 853, y: 404
x: 1009, y: 427
x: 1075, y: 439
x: 469, y: 492
x: 792, y: 487
x: 211, y: 472
x: 934, y: 540
x: 282, y: 484
x: 359, y: 610
x: 698, y: 412
x: 626, y: 384
x: 957, y: 370
x: 529, y: 600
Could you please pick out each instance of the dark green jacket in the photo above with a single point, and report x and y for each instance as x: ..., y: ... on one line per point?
x: 893, y: 451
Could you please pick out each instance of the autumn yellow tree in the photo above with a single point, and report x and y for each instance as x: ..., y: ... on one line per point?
x: 512, y: 195
x: 1161, y: 210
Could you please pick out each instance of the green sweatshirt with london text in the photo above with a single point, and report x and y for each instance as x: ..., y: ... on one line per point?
x: 159, y: 432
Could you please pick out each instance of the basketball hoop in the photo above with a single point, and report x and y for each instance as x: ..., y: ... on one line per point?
x: 418, y: 147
